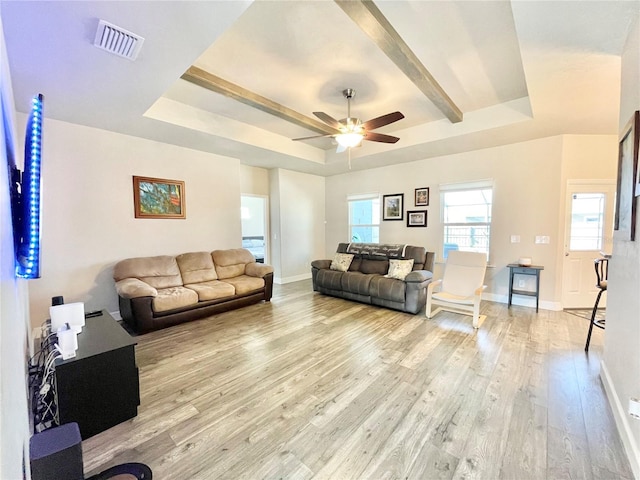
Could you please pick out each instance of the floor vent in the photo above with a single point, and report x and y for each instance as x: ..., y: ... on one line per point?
x: 118, y: 40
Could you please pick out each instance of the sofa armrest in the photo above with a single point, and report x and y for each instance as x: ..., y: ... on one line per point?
x: 258, y: 270
x: 135, y: 288
x: 418, y: 276
x: 321, y: 264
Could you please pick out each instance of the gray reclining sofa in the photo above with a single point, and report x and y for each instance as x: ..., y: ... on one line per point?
x: 365, y: 279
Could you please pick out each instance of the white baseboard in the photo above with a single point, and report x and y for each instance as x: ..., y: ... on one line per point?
x: 522, y: 301
x: 622, y: 420
x: 296, y: 278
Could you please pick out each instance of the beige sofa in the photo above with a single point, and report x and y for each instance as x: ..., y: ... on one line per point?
x: 156, y: 292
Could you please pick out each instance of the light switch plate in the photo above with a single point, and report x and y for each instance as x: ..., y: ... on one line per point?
x: 542, y: 239
x: 515, y: 238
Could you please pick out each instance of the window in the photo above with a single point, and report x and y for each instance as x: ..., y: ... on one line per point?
x: 587, y: 221
x: 466, y: 215
x: 364, y: 218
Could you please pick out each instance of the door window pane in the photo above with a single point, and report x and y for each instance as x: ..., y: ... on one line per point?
x: 587, y: 221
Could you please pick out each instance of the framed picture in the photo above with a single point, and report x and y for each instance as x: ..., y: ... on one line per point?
x: 422, y: 197
x: 158, y: 198
x: 627, y: 187
x: 416, y: 218
x: 392, y: 206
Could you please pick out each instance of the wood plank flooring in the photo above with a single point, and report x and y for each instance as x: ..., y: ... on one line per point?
x: 309, y: 386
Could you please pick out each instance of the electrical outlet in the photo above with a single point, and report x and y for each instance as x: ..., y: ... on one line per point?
x: 520, y: 283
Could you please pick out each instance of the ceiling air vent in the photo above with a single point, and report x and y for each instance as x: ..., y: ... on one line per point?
x: 118, y: 40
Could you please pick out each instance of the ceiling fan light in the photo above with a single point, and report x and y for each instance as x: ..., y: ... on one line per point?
x: 349, y: 139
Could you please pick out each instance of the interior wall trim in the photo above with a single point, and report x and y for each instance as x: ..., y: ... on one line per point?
x: 295, y: 278
x: 622, y: 420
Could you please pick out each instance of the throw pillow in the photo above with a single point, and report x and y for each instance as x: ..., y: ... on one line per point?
x: 399, y: 268
x: 341, y: 262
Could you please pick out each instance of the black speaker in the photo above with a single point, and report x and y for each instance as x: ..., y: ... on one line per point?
x: 59, y: 300
x: 56, y: 453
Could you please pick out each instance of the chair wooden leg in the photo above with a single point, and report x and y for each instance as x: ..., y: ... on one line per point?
x: 593, y: 320
x: 476, y: 314
x: 477, y: 318
x: 428, y: 312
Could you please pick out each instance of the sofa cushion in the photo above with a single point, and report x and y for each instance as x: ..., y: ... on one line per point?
x: 356, y: 282
x: 355, y: 264
x: 245, y: 284
x: 399, y: 268
x: 388, y: 288
x: 329, y: 279
x: 231, y: 263
x: 374, y: 266
x: 159, y: 272
x: 213, y: 290
x: 196, y: 267
x: 174, y: 297
x: 341, y: 262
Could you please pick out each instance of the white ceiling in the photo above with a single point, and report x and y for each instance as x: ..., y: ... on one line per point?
x: 518, y: 70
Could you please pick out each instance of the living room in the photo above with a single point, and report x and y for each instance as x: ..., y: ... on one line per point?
x: 89, y: 225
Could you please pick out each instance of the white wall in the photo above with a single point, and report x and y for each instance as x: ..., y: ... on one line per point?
x: 620, y: 370
x: 254, y: 180
x: 297, y: 223
x: 89, y: 222
x: 528, y: 199
x: 14, y: 313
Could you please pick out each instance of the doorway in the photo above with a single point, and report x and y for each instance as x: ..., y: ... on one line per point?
x: 255, y: 225
x: 588, y: 234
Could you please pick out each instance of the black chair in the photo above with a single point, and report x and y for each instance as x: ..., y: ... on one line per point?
x: 139, y: 471
x: 601, y: 266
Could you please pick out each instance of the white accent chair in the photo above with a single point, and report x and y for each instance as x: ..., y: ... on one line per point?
x: 461, y: 286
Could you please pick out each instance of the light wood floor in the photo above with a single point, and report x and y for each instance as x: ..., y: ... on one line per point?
x: 310, y: 386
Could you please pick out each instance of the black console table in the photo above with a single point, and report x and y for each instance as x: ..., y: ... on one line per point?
x: 534, y: 270
x: 99, y: 387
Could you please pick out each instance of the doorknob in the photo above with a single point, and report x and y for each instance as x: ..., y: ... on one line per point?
x: 566, y: 254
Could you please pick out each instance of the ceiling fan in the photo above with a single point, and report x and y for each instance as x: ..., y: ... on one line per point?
x: 349, y: 132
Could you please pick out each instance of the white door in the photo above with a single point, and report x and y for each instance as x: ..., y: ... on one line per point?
x: 588, y: 234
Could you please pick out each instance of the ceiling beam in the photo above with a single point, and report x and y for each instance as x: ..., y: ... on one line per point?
x: 372, y: 22
x: 216, y: 84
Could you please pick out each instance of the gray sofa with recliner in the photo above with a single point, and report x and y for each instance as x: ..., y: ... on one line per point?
x: 392, y: 276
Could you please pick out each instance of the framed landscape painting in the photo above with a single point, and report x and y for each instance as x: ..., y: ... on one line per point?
x: 416, y: 218
x: 392, y: 206
x: 158, y: 198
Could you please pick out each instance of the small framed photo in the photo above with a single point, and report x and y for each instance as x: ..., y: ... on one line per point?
x: 422, y: 197
x: 158, y: 198
x: 416, y: 218
x: 393, y: 206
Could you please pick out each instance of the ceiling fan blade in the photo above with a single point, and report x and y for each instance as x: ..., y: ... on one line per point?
x: 382, y: 121
x: 380, y: 137
x: 313, y: 136
x: 329, y: 120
